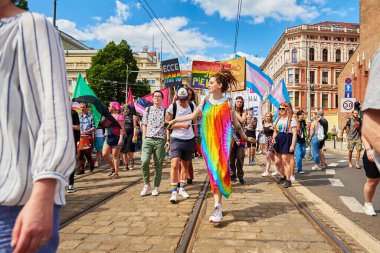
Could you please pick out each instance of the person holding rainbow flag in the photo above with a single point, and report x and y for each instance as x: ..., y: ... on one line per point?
x: 218, y: 117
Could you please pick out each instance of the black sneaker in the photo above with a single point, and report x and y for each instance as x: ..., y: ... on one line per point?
x: 287, y: 184
x: 80, y: 172
x: 233, y: 179
x: 282, y: 180
x: 92, y: 168
x: 241, y: 181
x: 189, y: 181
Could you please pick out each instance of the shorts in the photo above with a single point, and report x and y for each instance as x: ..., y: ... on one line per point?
x: 370, y: 168
x: 128, y: 145
x: 112, y: 141
x: 8, y: 215
x: 321, y: 144
x: 283, y: 143
x: 252, y: 134
x: 354, y: 143
x: 182, y: 148
x: 262, y: 138
x: 98, y: 143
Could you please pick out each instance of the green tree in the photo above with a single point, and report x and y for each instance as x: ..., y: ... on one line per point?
x: 23, y: 4
x: 108, y: 72
x: 140, y: 89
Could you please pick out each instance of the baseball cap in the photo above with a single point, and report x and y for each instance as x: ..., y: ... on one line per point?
x: 182, y: 94
x: 321, y: 113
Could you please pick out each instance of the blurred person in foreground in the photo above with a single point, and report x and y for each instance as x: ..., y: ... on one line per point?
x: 36, y: 137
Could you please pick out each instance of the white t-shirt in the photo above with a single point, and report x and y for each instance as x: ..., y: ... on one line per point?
x: 182, y: 133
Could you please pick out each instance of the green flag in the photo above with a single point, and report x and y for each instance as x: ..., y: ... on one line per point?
x: 82, y: 89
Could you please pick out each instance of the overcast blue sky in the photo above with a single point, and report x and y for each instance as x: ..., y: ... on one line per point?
x: 203, y: 29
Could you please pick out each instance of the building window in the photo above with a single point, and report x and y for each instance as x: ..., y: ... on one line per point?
x: 311, y: 54
x: 290, y: 76
x: 151, y: 82
x: 337, y: 73
x: 336, y: 101
x: 338, y: 55
x: 294, y: 55
x: 338, y: 39
x: 312, y: 100
x: 325, y: 77
x: 325, y: 54
x: 297, y: 99
x: 312, y: 76
x: 325, y: 37
x: 350, y: 54
x: 297, y: 76
x: 70, y: 82
x: 325, y: 101
x: 291, y: 95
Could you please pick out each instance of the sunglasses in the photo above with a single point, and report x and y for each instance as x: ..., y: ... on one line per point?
x: 282, y: 108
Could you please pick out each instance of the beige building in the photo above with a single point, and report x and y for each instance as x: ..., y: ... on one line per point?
x: 149, y: 65
x: 327, y: 46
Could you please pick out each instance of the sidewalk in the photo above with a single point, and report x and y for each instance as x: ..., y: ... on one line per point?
x: 257, y: 218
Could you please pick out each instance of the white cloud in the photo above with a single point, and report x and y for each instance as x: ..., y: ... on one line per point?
x: 97, y: 18
x: 122, y: 13
x: 190, y: 40
x: 259, y: 10
x: 252, y: 58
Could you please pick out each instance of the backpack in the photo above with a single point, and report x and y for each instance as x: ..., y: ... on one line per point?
x: 320, y: 132
x: 175, y: 111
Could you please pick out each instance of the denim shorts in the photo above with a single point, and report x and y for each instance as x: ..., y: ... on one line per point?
x: 8, y: 215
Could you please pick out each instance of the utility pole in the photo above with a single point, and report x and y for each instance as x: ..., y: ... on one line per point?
x: 126, y: 85
x: 54, y: 12
x: 308, y: 82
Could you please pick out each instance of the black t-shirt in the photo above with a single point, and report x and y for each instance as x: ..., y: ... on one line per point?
x: 302, y: 132
x: 325, y: 125
x: 75, y: 119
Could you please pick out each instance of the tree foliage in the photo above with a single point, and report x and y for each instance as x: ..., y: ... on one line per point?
x: 140, y: 89
x: 23, y: 4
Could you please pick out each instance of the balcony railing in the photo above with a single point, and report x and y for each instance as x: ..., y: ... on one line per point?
x: 322, y: 28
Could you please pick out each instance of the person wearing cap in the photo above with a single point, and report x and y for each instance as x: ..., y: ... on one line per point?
x: 114, y: 140
x: 182, y: 143
x: 325, y: 124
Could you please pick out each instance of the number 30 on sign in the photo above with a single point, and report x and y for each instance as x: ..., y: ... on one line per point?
x: 347, y: 104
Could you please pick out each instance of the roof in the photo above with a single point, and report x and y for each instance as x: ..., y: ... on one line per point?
x: 338, y: 24
x: 72, y: 40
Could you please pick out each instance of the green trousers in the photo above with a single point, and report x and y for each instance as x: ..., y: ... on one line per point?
x: 156, y: 147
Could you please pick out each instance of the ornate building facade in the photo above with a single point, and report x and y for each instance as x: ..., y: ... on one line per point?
x: 325, y: 47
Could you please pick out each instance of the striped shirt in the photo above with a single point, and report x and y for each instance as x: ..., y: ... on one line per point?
x: 36, y: 136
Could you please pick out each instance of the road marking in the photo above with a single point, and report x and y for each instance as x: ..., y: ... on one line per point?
x: 330, y: 171
x: 333, y: 165
x: 336, y: 182
x: 342, y: 161
x: 353, y: 204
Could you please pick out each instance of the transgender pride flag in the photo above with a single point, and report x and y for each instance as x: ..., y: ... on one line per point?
x: 256, y: 79
x: 279, y: 94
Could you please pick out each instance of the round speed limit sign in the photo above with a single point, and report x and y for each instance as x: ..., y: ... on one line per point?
x: 347, y: 104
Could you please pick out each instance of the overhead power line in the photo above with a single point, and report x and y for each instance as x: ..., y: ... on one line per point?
x: 159, y: 28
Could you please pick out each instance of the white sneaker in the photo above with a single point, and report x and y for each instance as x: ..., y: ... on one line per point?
x: 155, y: 191
x: 183, y: 193
x: 216, y: 215
x: 96, y: 165
x: 368, y: 209
x: 173, y: 198
x: 274, y: 173
x: 265, y: 174
x: 70, y: 189
x: 316, y: 167
x: 292, y: 178
x: 145, y: 190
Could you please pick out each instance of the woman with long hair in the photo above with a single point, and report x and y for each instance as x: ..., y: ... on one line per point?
x: 114, y: 140
x: 268, y: 130
x: 250, y: 131
x: 216, y: 131
x: 130, y: 137
x: 284, y: 140
x: 314, y: 142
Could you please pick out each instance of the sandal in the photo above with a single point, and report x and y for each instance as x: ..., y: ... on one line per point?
x: 116, y: 176
x: 111, y: 171
x: 357, y: 167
